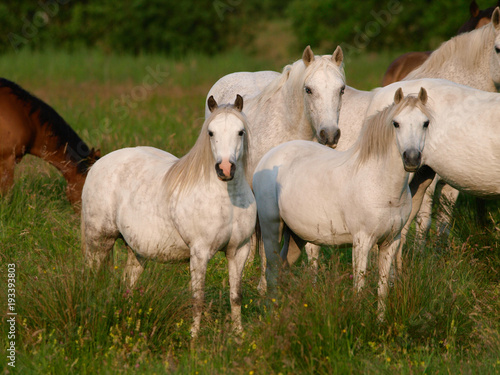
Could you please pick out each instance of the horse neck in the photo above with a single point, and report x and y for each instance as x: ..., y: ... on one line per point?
x: 477, y: 76
x: 293, y: 118
x: 275, y: 119
x: 448, y: 62
x: 374, y: 172
x: 233, y: 190
x: 62, y: 155
x: 236, y: 186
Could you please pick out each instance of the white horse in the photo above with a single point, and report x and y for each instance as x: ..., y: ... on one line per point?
x: 470, y: 59
x: 463, y: 145
x: 171, y: 209
x: 360, y: 196
x: 303, y: 102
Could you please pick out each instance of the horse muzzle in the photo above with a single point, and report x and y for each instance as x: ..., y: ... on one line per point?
x: 225, y: 170
x: 412, y: 159
x: 329, y: 136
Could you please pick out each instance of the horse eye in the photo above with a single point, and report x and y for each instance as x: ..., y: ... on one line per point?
x: 395, y: 123
x: 241, y: 132
x: 497, y: 49
x: 426, y: 124
x: 308, y: 90
x: 342, y: 90
x: 210, y: 133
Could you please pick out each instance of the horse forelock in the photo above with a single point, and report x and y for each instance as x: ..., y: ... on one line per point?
x: 467, y: 49
x: 198, y: 163
x: 377, y: 134
x: 323, y: 62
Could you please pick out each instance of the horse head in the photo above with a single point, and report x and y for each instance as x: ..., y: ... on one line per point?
x: 227, y: 132
x: 410, y: 122
x: 495, y: 53
x: 323, y: 87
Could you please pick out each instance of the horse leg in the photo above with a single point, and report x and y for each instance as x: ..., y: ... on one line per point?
x: 198, y: 268
x: 418, y: 186
x: 481, y: 212
x: 447, y: 200
x: 294, y: 252
x: 423, y: 220
x: 7, y: 173
x: 362, y: 244
x: 254, y: 242
x: 133, y: 268
x: 271, y: 229
x: 236, y: 259
x: 262, y: 287
x: 385, y: 258
x: 97, y: 248
x: 291, y: 239
x: 313, y: 256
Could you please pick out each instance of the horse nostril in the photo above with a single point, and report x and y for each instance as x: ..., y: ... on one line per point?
x: 336, y: 137
x: 322, y: 134
x: 412, y: 157
x: 497, y: 49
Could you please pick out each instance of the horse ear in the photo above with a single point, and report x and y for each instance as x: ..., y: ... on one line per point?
x: 473, y: 9
x: 238, y: 103
x: 422, y: 95
x: 495, y: 18
x: 212, y: 104
x: 338, y: 56
x: 308, y: 56
x: 398, y: 95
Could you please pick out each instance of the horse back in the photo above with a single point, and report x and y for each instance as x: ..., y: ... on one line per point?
x: 403, y: 65
x: 17, y: 131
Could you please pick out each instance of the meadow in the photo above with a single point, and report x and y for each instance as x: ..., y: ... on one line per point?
x: 443, y: 312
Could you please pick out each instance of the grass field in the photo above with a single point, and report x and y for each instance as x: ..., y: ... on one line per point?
x: 443, y: 313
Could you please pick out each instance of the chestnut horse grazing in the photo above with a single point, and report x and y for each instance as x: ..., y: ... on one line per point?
x: 30, y: 126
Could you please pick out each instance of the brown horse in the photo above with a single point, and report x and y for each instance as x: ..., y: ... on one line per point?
x: 30, y: 126
x: 408, y: 62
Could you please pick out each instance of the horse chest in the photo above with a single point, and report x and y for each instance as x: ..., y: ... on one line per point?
x: 214, y: 221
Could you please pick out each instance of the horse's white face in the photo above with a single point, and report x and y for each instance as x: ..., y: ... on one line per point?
x: 411, y: 129
x: 323, y: 90
x: 227, y: 133
x: 495, y: 53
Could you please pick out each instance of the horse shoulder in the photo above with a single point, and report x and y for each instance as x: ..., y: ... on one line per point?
x: 17, y: 131
x: 203, y: 216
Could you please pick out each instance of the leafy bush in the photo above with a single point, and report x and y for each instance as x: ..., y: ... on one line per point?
x: 374, y: 25
x: 166, y: 26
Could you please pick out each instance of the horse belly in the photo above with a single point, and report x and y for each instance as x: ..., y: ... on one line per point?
x: 152, y: 240
x: 312, y: 218
x: 319, y: 230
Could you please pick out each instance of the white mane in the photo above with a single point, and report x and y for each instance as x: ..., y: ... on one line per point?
x: 465, y: 49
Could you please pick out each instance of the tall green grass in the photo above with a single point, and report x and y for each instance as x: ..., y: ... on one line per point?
x: 443, y: 311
